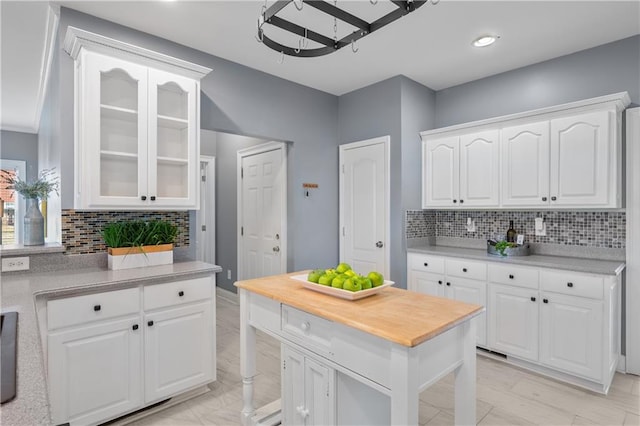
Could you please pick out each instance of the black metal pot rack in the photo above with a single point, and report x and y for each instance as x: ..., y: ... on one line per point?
x: 330, y: 45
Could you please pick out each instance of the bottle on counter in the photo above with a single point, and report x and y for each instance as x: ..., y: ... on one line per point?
x: 511, y: 233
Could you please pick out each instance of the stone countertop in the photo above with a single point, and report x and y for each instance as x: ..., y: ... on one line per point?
x: 592, y: 266
x: 19, y: 292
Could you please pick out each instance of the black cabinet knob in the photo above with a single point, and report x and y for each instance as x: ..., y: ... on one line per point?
x: 569, y: 284
x: 545, y: 300
x: 510, y: 276
x: 455, y: 201
x: 533, y: 299
x: 153, y: 198
x: 464, y: 269
x: 181, y: 293
x: 143, y: 197
x: 554, y: 198
x: 150, y: 323
x: 461, y: 201
x: 440, y: 282
x: 449, y: 284
x: 544, y: 198
x: 135, y: 326
x: 426, y: 264
x: 97, y: 308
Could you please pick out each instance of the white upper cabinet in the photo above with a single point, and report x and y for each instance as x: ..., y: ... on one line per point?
x: 567, y: 156
x: 137, y: 126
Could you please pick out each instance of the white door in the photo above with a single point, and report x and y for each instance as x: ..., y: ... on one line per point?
x: 480, y: 169
x: 525, y: 165
x: 95, y: 372
x: 470, y: 291
x: 513, y: 321
x: 571, y: 334
x: 262, y: 211
x: 580, y: 159
x: 206, y: 216
x: 440, y: 174
x: 426, y: 283
x: 364, y: 205
x: 178, y: 350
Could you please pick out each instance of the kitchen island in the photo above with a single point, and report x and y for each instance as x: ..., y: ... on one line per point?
x: 357, y: 362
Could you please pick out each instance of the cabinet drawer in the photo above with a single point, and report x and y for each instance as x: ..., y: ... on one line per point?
x: 92, y: 307
x: 572, y: 283
x: 306, y: 329
x: 426, y: 263
x: 513, y: 275
x: 466, y: 269
x: 176, y: 293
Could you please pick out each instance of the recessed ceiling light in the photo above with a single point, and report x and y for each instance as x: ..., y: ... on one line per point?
x: 485, y: 40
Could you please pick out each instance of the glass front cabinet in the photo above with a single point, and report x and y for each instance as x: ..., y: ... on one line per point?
x: 137, y: 126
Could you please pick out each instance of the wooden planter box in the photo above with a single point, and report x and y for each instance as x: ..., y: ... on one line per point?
x: 137, y: 257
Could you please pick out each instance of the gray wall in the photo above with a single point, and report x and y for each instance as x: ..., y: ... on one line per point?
x: 21, y: 146
x: 602, y: 70
x: 398, y: 107
x: 226, y: 203
x: 240, y: 100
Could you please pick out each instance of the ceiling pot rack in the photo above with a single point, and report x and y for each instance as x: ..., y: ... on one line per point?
x: 329, y: 45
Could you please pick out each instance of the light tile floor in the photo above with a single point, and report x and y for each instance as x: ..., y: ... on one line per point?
x: 505, y: 395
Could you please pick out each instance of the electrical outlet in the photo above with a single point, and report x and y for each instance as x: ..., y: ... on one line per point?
x: 15, y: 264
x: 228, y: 274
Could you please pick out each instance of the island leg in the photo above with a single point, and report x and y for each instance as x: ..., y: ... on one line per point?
x: 247, y: 359
x: 465, y: 378
x: 404, y: 386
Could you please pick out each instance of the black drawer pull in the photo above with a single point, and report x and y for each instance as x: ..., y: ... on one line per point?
x: 544, y: 198
x: 153, y: 198
x: 181, y: 293
x: 440, y: 282
x: 455, y: 201
x: 545, y: 300
x: 449, y: 284
x: 150, y: 323
x: 426, y: 264
x: 510, y: 276
x: 553, y: 198
x: 464, y: 269
x: 569, y: 284
x: 533, y: 299
x: 97, y: 308
x: 461, y: 201
x: 143, y: 197
x: 135, y: 326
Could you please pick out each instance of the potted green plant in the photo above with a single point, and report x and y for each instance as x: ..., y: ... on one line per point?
x: 138, y: 243
x: 32, y: 192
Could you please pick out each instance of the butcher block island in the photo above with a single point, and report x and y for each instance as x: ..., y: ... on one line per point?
x: 355, y: 362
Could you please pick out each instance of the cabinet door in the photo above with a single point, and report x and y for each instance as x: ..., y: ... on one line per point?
x: 112, y: 155
x: 173, y: 140
x: 95, y: 373
x: 571, y: 334
x: 525, y: 165
x: 513, y: 321
x: 470, y: 291
x: 424, y: 282
x: 292, y: 386
x: 179, y: 350
x: 480, y: 169
x: 319, y: 393
x: 440, y: 174
x: 581, y: 150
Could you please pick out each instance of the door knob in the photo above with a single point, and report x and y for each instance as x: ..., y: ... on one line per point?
x: 379, y: 244
x: 276, y: 249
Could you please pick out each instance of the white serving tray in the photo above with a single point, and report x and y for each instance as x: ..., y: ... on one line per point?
x: 338, y: 292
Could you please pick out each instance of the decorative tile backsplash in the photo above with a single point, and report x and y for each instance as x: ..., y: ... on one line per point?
x: 576, y: 228
x: 81, y: 229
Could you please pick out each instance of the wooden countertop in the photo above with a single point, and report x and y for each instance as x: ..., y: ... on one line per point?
x: 400, y: 316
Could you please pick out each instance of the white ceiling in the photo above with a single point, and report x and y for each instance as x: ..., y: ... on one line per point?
x: 431, y: 46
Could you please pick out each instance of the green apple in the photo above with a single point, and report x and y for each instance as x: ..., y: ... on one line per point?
x: 338, y: 281
x: 365, y: 282
x: 352, y: 284
x: 326, y: 279
x: 330, y: 271
x: 376, y: 278
x: 342, y: 268
x: 315, y: 275
x: 350, y: 273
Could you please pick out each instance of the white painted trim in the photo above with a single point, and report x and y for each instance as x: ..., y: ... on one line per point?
x: 386, y: 140
x: 53, y: 19
x: 76, y: 39
x: 619, y: 100
x: 632, y: 280
x: 246, y: 152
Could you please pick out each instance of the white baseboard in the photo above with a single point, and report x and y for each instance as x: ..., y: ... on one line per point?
x: 227, y: 295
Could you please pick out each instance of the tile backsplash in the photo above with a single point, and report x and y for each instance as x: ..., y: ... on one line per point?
x: 575, y: 228
x: 81, y: 229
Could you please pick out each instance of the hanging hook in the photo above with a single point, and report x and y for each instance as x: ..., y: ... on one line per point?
x: 373, y: 2
x: 434, y: 2
x: 353, y: 46
x: 281, y: 60
x: 295, y: 3
x: 260, y: 36
x: 303, y: 42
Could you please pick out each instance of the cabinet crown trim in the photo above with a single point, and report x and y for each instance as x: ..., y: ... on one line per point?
x: 76, y: 39
x: 620, y: 100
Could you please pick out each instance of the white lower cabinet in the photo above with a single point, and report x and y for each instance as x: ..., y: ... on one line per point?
x: 108, y: 355
x: 561, y: 323
x: 308, y: 390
